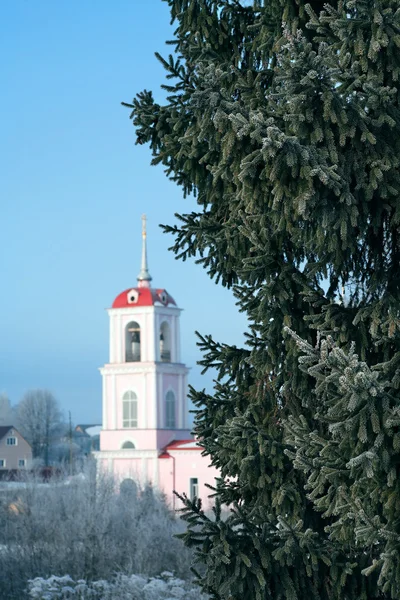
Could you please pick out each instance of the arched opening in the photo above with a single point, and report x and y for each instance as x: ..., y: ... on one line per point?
x: 132, y: 342
x: 128, y: 489
x: 165, y: 342
x: 129, y: 410
x: 170, y: 421
x: 128, y: 446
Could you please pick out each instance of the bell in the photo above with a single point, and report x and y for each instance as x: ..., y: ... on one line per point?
x: 135, y: 345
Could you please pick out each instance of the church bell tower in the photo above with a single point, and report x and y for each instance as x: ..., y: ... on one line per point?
x: 144, y: 382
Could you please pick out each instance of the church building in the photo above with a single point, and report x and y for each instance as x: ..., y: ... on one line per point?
x: 145, y: 434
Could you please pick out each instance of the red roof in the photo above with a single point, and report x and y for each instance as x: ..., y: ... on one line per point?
x: 180, y: 445
x: 184, y: 445
x: 142, y: 296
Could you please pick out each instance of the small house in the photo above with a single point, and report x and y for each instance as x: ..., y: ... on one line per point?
x: 15, y: 451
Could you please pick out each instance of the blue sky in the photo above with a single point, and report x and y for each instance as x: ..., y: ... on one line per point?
x: 73, y: 186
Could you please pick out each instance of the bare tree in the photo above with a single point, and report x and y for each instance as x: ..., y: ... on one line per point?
x: 38, y: 416
x: 90, y: 526
x: 6, y: 415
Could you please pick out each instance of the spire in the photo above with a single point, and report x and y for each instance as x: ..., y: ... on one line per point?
x: 144, y: 276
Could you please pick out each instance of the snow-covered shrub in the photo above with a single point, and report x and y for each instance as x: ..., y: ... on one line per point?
x: 86, y: 527
x: 123, y: 587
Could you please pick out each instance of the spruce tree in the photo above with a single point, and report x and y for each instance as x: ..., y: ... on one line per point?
x: 282, y: 118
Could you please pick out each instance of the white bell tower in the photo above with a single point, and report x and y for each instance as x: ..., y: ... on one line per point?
x: 144, y: 382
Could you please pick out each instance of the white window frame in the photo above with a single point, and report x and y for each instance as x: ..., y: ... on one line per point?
x: 3, y: 460
x: 23, y: 461
x: 14, y: 443
x: 170, y: 415
x: 193, y: 488
x: 130, y: 400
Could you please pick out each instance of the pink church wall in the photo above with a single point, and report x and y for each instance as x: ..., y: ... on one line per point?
x: 166, y: 478
x: 167, y: 474
x: 138, y: 469
x: 189, y: 464
x: 144, y: 439
x: 144, y: 385
x: 165, y: 436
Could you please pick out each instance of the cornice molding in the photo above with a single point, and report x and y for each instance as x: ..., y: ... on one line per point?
x: 186, y: 430
x: 133, y: 453
x: 141, y: 367
x: 169, y: 310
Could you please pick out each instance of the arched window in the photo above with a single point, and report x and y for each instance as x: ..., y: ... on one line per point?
x: 165, y: 342
x: 170, y: 421
x: 128, y: 489
x: 129, y: 410
x: 132, y: 342
x: 128, y: 446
